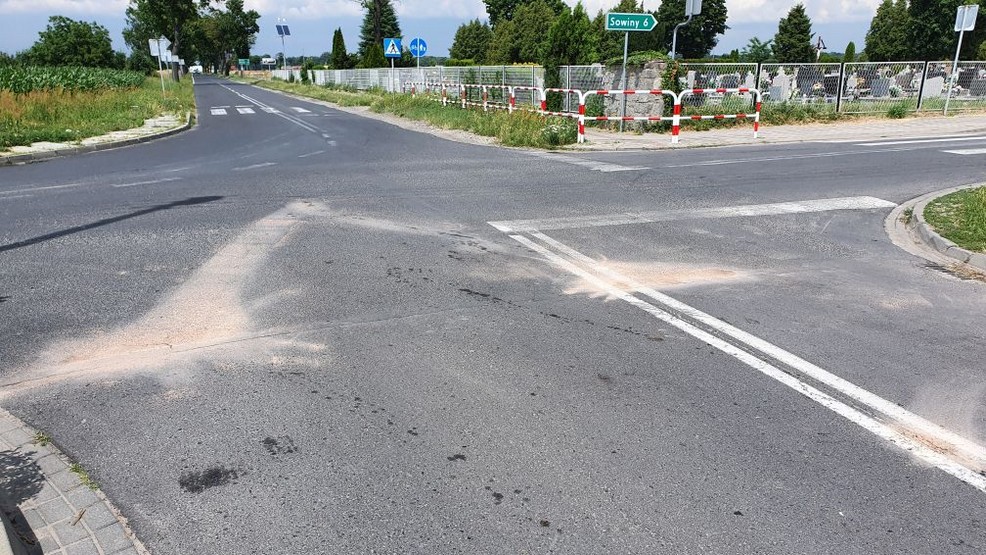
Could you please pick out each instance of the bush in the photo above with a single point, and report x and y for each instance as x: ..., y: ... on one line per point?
x: 897, y: 111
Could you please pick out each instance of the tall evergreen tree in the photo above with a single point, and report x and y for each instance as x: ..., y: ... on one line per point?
x: 340, y: 58
x: 886, y: 38
x: 849, y: 56
x: 380, y: 22
x: 792, y: 43
x: 699, y: 37
x: 572, y: 40
x: 503, y: 48
x: 532, y: 22
x: 471, y: 41
x: 506, y: 10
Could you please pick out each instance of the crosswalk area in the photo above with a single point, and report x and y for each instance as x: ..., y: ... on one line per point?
x: 252, y: 110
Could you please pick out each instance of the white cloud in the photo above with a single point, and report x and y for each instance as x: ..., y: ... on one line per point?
x: 64, y: 7
x: 820, y: 11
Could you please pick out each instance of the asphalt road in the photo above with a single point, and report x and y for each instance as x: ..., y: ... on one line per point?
x: 292, y: 329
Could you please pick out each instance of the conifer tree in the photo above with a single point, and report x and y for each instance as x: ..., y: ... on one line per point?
x: 380, y: 22
x: 792, y: 43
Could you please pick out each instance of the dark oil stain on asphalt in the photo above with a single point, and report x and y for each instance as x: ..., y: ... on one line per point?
x: 281, y: 445
x: 457, y: 457
x: 197, y: 482
x: 4, y: 299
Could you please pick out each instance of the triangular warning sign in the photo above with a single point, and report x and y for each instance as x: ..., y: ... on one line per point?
x: 392, y: 49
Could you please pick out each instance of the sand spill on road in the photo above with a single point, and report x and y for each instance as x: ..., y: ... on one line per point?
x: 206, y: 311
x: 655, y: 275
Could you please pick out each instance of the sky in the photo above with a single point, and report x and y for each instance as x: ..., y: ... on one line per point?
x: 312, y: 22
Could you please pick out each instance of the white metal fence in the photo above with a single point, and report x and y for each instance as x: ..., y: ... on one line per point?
x: 848, y: 88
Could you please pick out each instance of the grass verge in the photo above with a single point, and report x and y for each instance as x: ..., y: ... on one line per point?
x: 961, y: 218
x: 520, y: 129
x: 66, y: 116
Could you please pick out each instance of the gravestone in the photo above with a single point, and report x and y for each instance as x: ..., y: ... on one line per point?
x: 933, y: 88
x: 880, y: 88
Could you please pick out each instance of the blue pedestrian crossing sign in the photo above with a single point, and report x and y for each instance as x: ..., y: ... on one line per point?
x: 392, y: 48
x: 418, y: 47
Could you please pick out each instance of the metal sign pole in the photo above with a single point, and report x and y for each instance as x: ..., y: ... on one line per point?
x: 623, y: 82
x: 955, y: 73
x: 160, y: 69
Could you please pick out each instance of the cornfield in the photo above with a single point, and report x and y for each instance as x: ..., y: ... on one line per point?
x: 23, y: 80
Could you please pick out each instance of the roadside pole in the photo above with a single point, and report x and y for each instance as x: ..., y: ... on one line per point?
x: 623, y: 82
x: 627, y: 22
x: 965, y: 20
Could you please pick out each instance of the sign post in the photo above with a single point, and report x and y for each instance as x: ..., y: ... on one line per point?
x: 628, y: 22
x: 155, y: 46
x: 692, y: 8
x: 392, y: 49
x: 965, y: 20
x: 283, y: 31
x: 418, y: 48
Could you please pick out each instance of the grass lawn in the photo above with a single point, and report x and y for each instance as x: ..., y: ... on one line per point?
x: 961, y: 218
x: 66, y: 116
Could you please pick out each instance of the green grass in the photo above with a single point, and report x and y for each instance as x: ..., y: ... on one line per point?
x: 87, y: 481
x: 521, y: 129
x: 41, y: 439
x: 68, y: 116
x: 961, y: 218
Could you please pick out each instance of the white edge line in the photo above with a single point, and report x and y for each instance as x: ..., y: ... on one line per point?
x: 868, y: 423
x: 817, y: 373
x: 967, y: 152
x: 152, y: 182
x: 922, y: 141
x: 48, y: 188
x: 255, y: 166
x: 311, y: 154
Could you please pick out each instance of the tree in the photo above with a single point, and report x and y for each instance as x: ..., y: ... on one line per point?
x: 68, y: 42
x: 532, y: 22
x: 886, y: 38
x: 340, y: 58
x: 931, y: 34
x: 850, y: 54
x: 503, y: 47
x: 792, y: 43
x: 471, y: 41
x: 168, y: 18
x: 374, y: 57
x: 505, y: 10
x: 571, y: 41
x: 221, y: 36
x: 757, y: 51
x: 380, y: 22
x: 699, y: 37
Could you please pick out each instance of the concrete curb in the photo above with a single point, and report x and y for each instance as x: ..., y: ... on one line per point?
x: 921, y: 233
x: 31, y: 157
x: 51, y: 509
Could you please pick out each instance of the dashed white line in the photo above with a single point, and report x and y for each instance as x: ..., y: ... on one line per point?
x: 967, y: 152
x: 317, y: 152
x: 35, y: 189
x: 151, y: 182
x: 255, y: 166
x: 923, y: 141
x: 218, y: 111
x: 245, y: 110
x: 300, y: 110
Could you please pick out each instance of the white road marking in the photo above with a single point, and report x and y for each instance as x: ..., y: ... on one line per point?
x: 300, y: 110
x: 268, y: 109
x: 218, y: 111
x: 255, y: 166
x: 245, y: 110
x: 923, y: 141
x: 591, y: 164
x: 967, y: 151
x: 590, y: 270
x: 798, y: 207
x: 35, y: 189
x: 16, y: 196
x: 317, y: 152
x: 915, y: 138
x: 151, y: 182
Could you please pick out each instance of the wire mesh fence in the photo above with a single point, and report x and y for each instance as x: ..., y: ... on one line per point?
x: 872, y: 87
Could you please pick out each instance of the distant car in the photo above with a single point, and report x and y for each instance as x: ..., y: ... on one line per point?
x: 195, y: 69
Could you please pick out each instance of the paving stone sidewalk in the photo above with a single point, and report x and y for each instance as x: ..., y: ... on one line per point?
x: 843, y: 131
x: 47, y: 505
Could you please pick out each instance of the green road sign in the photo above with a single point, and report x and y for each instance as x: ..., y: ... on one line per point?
x: 244, y: 61
x: 630, y: 22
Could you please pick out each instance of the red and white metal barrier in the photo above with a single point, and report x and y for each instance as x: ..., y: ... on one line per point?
x: 604, y: 92
x: 758, y: 100
x: 544, y: 102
